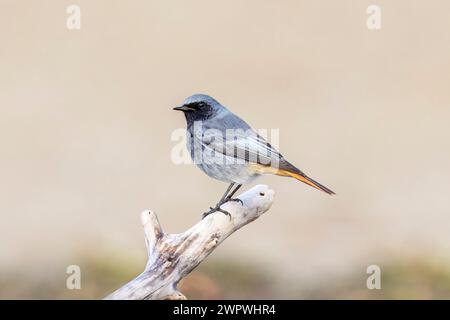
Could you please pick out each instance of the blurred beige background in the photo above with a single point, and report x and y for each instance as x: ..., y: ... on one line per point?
x: 86, y: 120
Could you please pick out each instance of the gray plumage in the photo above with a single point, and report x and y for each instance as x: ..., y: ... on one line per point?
x: 226, y: 148
x: 228, y: 159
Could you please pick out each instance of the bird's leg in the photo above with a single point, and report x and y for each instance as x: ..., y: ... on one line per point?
x: 225, y: 195
x: 221, y: 202
x: 230, y: 196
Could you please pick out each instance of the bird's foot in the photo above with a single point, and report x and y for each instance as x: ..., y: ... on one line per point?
x: 234, y: 200
x: 218, y: 209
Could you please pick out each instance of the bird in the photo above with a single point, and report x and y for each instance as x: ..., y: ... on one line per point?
x: 226, y: 148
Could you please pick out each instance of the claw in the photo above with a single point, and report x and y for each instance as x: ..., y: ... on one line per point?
x: 212, y: 210
x: 236, y: 200
x: 217, y: 208
x: 224, y: 212
x: 204, y: 215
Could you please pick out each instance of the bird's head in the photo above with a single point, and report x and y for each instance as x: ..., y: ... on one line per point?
x: 199, y: 107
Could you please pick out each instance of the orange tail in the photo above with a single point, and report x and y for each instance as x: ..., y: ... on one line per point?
x: 305, y: 179
x: 288, y: 173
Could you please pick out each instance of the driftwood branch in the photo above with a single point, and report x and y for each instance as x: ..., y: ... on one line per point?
x: 171, y: 257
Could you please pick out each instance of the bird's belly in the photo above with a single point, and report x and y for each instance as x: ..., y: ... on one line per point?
x: 237, y: 173
x: 220, y: 167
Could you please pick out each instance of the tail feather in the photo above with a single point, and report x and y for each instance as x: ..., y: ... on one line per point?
x: 288, y: 170
x: 305, y: 179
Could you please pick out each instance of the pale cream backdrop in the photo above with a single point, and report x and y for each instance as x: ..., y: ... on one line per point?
x: 86, y: 120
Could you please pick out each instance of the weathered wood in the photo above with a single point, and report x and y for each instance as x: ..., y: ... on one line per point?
x: 171, y: 257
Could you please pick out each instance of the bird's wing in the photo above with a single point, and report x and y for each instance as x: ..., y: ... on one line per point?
x: 246, y: 146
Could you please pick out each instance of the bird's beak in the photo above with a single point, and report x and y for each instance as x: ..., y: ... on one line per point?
x: 183, y: 108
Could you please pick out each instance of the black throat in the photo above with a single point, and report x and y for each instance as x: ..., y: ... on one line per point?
x: 198, y: 115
